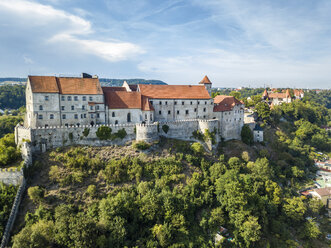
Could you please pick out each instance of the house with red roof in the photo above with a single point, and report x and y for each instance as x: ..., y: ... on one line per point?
x: 276, y: 98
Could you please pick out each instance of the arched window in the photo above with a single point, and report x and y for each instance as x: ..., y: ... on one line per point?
x: 129, y: 117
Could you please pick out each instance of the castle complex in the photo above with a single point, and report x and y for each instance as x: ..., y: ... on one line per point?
x: 59, y: 109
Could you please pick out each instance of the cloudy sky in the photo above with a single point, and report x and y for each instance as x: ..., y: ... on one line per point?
x: 283, y: 43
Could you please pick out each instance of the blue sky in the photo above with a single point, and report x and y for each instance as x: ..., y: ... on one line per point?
x: 235, y: 42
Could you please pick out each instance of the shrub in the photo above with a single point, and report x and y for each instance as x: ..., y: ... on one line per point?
x: 104, y: 133
x: 210, y: 136
x: 198, y: 135
x: 120, y: 134
x: 36, y: 193
x: 197, y: 148
x: 86, y: 132
x: 165, y: 128
x: 141, y: 145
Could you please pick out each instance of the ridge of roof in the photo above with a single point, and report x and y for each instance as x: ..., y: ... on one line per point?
x: 225, y: 103
x: 153, y: 91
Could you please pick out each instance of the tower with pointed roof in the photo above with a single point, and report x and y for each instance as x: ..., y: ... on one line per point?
x: 207, y: 83
x: 265, y: 94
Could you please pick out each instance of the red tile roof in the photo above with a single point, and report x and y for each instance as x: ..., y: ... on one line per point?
x: 65, y: 85
x: 278, y: 95
x: 127, y: 100
x: 43, y: 84
x: 79, y: 86
x: 265, y: 93
x: 297, y: 92
x: 323, y: 191
x: 205, y: 80
x: 105, y: 89
x: 174, y: 91
x: 225, y: 103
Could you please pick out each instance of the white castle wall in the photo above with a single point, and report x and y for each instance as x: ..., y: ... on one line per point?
x: 147, y: 132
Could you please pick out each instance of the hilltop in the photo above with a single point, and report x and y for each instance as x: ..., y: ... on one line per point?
x: 174, y: 194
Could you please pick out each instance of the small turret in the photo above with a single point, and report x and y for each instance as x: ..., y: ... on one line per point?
x: 288, y: 93
x: 265, y: 94
x: 207, y: 83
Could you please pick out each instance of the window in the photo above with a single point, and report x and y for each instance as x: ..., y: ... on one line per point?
x: 67, y: 125
x: 195, y: 110
x: 91, y: 107
x: 191, y: 102
x: 177, y: 112
x: 72, y: 107
x: 198, y: 102
x: 145, y: 116
x: 151, y: 102
x: 166, y: 103
x: 84, y: 98
x: 129, y: 117
x: 151, y: 117
x: 63, y: 98
x: 81, y: 116
x: 69, y: 98
x: 84, y: 115
x: 83, y: 107
x: 51, y: 116
x: 46, y: 98
x: 62, y: 107
x: 169, y: 112
x: 47, y: 126
x: 160, y: 103
x: 97, y: 107
x: 76, y: 116
x: 40, y: 117
x: 205, y: 103
x: 76, y: 98
x: 186, y: 112
x: 113, y: 114
x: 175, y: 103
x: 92, y: 116
x: 98, y: 115
x: 116, y: 122
x: 182, y: 103
x: 40, y: 107
x: 91, y: 98
x: 64, y: 116
x: 204, y: 109
x: 160, y: 112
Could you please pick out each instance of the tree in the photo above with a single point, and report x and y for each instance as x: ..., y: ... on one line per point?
x: 36, y: 193
x: 251, y: 230
x: 247, y: 135
x: 295, y: 208
x: 311, y: 229
x: 263, y: 111
x: 235, y: 94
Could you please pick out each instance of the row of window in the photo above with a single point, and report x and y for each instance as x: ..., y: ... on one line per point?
x: 235, y: 112
x: 97, y: 107
x: 178, y: 112
x: 229, y: 120
x: 69, y: 98
x: 183, y: 103
x: 64, y: 116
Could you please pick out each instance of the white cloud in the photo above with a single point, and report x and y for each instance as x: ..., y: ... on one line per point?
x: 48, y: 24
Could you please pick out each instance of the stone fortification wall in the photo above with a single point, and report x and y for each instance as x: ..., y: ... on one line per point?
x: 147, y: 132
x: 15, y: 177
x: 179, y: 129
x: 10, y: 176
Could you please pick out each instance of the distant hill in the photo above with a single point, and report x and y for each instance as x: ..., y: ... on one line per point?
x: 103, y: 81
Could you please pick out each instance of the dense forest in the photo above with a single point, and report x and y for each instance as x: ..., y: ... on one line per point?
x: 178, y: 195
x: 12, y: 97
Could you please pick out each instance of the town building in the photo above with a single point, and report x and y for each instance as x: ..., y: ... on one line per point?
x: 276, y: 98
x: 258, y: 133
x: 230, y: 113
